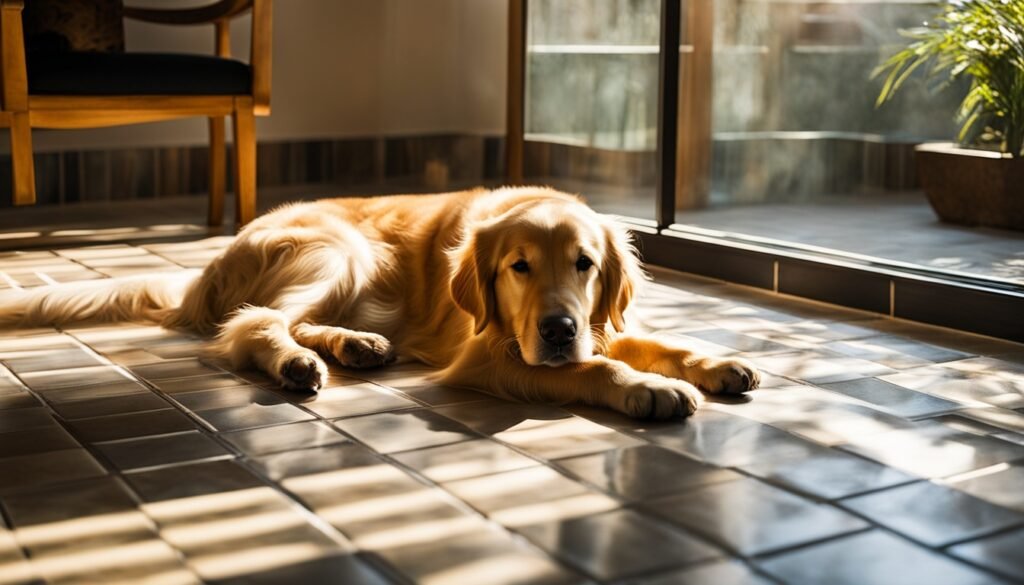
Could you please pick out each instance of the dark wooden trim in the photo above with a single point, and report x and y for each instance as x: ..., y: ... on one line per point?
x: 668, y: 111
x: 515, y: 109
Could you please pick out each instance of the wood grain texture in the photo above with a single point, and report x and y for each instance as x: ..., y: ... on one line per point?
x: 21, y: 160
x: 244, y: 127
x: 218, y: 171
x: 516, y: 91
x: 261, y: 55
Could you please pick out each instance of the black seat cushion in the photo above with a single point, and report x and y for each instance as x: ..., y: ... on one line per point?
x: 69, y: 73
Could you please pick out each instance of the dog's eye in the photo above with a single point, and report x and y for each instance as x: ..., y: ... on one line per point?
x: 584, y: 264
x: 521, y: 266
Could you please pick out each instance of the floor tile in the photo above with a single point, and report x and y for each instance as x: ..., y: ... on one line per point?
x: 197, y: 383
x: 17, y: 400
x: 126, y: 426
x: 752, y: 518
x: 484, y: 556
x: 934, y: 450
x: 43, y: 381
x: 22, y: 419
x: 190, y: 481
x: 252, y: 416
x: 817, y: 415
x: 895, y: 352
x: 645, y: 471
x: 827, y: 473
x: 892, y: 398
x: 139, y: 402
x: 436, y: 394
x: 87, y: 514
x: 464, y: 460
x: 1000, y: 553
x: 956, y: 381
x: 531, y: 495
x: 618, y: 544
x: 51, y: 359
x: 747, y: 344
x: 226, y: 397
x: 231, y: 534
x: 933, y: 514
x: 166, y: 370
x: 17, y: 570
x: 818, y: 368
x: 32, y: 441
x: 715, y: 572
x: 280, y: 466
x: 871, y: 557
x: 564, y: 438
x: 403, y: 431
x: 1009, y: 420
x: 355, y: 400
x: 139, y: 561
x: 289, y: 437
x: 161, y: 450
x: 341, y: 568
x: 398, y: 516
x: 999, y: 484
x: 94, y: 391
x: 38, y: 469
x: 492, y: 416
x: 723, y: 439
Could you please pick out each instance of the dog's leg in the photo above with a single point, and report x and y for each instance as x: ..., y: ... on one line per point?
x: 599, y: 381
x: 710, y: 374
x: 352, y: 349
x: 259, y: 336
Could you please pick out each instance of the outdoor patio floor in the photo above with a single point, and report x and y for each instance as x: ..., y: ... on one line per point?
x: 876, y: 452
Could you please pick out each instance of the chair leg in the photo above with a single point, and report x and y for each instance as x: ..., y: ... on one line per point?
x: 24, y: 175
x: 218, y: 171
x: 243, y: 124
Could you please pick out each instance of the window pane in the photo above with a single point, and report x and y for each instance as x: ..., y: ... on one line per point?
x: 592, y: 100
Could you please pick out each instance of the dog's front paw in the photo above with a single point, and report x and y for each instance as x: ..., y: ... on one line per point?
x: 657, y: 397
x: 365, y: 350
x: 728, y: 376
x: 303, y: 372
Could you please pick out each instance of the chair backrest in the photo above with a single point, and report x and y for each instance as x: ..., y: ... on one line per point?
x: 74, y: 25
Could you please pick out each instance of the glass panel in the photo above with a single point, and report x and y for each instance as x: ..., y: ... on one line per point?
x: 592, y: 100
x: 801, y: 154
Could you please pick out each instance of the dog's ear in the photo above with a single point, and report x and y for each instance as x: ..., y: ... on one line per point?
x: 472, y: 284
x: 621, y: 275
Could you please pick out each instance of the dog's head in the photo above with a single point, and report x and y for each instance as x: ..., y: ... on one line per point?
x: 544, y: 278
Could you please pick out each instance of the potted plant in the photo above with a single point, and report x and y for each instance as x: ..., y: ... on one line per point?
x: 979, y: 180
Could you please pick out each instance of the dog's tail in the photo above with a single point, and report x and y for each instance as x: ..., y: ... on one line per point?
x: 147, y: 299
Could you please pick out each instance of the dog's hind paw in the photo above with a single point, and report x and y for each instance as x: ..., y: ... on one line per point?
x: 304, y: 373
x: 365, y: 350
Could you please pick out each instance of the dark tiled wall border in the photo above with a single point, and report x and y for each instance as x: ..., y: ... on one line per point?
x: 146, y: 173
x: 967, y: 307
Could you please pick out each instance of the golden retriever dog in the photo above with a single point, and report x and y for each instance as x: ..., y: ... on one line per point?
x: 518, y: 292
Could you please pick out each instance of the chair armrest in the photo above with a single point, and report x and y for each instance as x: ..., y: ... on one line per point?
x: 14, y: 75
x: 221, y: 10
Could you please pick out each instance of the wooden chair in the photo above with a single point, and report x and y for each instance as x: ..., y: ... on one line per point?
x: 88, y: 90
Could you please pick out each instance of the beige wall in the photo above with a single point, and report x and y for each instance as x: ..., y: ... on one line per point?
x: 346, y: 68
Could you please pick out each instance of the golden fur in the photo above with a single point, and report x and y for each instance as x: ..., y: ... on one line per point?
x: 468, y: 282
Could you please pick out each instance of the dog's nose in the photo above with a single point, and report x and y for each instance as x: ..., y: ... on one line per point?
x: 558, y: 330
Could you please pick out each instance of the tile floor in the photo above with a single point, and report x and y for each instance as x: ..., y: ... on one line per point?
x: 878, y: 452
